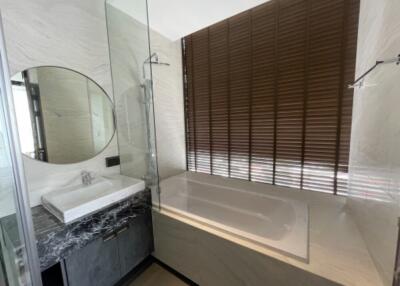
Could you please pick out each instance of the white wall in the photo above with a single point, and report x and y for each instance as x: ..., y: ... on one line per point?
x: 188, y: 15
x: 375, y: 154
x: 70, y: 34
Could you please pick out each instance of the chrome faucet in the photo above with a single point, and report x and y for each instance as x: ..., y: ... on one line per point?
x: 87, y: 178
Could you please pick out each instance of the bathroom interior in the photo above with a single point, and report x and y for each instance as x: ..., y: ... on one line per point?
x: 237, y: 142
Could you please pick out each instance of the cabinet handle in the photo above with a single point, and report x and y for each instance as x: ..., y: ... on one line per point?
x: 111, y: 236
x: 125, y: 228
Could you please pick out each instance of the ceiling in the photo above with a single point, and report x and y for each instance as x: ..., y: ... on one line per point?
x: 175, y: 19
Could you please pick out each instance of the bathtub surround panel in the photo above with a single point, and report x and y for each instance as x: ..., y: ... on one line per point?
x: 70, y: 34
x: 266, y: 94
x: 210, y: 260
x: 374, y: 189
x: 271, y: 222
x: 208, y: 256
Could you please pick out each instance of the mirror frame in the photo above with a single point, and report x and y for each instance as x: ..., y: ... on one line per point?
x: 111, y: 100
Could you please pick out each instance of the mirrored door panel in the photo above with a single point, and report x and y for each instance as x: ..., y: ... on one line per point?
x: 18, y: 255
x: 13, y: 270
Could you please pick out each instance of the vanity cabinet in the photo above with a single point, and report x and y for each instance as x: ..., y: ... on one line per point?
x: 105, y: 261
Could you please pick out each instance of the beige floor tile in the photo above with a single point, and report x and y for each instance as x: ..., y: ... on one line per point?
x: 155, y: 275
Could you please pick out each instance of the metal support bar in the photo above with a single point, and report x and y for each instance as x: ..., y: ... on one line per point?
x: 153, y: 60
x: 358, y: 81
x: 396, y: 272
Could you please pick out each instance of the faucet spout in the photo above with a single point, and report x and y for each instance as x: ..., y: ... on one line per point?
x: 87, y: 178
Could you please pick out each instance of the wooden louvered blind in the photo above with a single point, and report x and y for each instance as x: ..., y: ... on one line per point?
x: 266, y: 95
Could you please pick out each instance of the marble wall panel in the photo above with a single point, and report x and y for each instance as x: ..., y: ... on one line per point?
x: 374, y: 187
x: 70, y: 34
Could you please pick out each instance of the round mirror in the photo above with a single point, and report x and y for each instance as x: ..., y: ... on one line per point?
x: 63, y: 116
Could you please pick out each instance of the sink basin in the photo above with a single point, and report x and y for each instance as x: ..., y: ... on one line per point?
x: 73, y: 202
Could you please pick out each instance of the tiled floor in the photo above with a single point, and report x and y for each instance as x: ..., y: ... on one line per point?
x: 155, y: 275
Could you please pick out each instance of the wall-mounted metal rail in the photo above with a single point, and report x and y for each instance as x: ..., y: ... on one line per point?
x: 359, y: 81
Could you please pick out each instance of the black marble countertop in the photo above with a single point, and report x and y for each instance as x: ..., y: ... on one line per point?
x: 56, y: 240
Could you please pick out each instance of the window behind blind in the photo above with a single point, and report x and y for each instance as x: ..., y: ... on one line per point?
x: 266, y: 95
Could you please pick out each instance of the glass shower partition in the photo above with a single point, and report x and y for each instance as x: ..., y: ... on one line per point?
x: 19, y: 264
x: 130, y: 58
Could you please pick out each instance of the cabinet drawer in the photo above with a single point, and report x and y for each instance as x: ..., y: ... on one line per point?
x: 95, y: 264
x: 135, y: 242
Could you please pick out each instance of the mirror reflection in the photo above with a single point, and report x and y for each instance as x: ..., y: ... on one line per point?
x: 63, y: 116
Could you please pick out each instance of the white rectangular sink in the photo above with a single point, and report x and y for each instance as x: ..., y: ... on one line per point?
x: 73, y: 202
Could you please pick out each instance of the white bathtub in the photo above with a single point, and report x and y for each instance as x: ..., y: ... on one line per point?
x: 277, y: 223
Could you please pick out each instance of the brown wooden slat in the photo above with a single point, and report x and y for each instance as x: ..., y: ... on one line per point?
x: 202, y: 103
x: 323, y: 133
x: 291, y: 76
x: 239, y: 90
x: 189, y: 105
x: 218, y: 44
x: 266, y: 95
x: 263, y: 100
